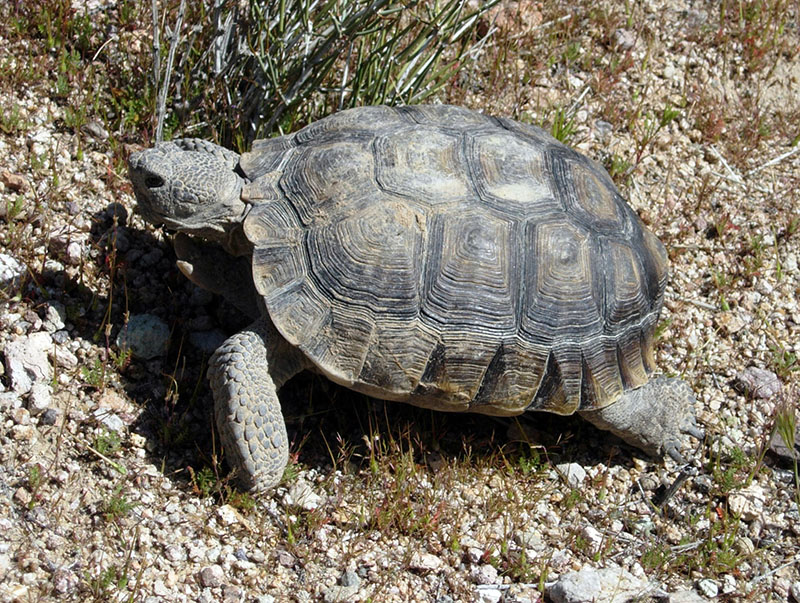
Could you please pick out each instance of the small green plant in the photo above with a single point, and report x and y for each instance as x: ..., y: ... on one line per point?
x: 617, y: 167
x: 563, y: 128
x: 573, y: 498
x: 204, y: 481
x: 118, y: 505
x: 661, y: 327
x: 786, y: 426
x: 784, y: 361
x: 103, y: 585
x: 11, y: 120
x: 107, y: 443
x: 121, y: 358
x: 722, y: 281
x: 35, y: 477
x: 654, y: 557
x: 792, y: 226
x: 95, y: 375
x: 652, y: 125
x: 733, y: 472
x: 14, y: 208
x: 242, y: 501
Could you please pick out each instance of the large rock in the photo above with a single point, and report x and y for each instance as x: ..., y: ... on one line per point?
x: 11, y: 271
x: 145, y: 335
x: 26, y: 361
x: 610, y: 584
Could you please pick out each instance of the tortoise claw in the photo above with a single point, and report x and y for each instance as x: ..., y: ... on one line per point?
x: 695, y: 432
x: 675, y: 454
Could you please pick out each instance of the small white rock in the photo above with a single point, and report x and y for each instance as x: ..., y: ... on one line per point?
x: 748, y: 503
x: 228, y: 515
x: 109, y: 420
x: 708, y: 588
x: 489, y: 594
x: 573, y: 473
x: 54, y: 318
x: 301, y: 495
x: 74, y: 253
x: 39, y: 399
x: 10, y: 271
x: 483, y: 574
x: 425, y: 562
x: 175, y: 553
x: 795, y: 591
x: 64, y: 358
x: 593, y: 537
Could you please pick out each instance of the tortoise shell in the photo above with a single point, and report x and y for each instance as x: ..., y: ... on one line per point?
x: 456, y: 261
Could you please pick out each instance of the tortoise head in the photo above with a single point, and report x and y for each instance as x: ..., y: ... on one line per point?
x: 191, y: 186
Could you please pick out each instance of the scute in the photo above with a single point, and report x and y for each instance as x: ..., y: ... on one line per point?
x: 455, y: 261
x: 371, y: 259
x: 511, y: 174
x: 422, y: 164
x: 470, y: 279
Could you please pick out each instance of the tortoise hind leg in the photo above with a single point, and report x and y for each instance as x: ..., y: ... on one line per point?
x: 655, y: 417
x: 245, y: 373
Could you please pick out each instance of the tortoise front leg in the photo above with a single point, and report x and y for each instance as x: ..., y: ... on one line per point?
x: 244, y: 373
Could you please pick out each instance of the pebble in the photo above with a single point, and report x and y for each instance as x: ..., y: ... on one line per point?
x: 95, y: 129
x: 593, y: 537
x: 54, y: 317
x: 212, y: 576
x: 350, y: 578
x: 10, y: 400
x: 74, y: 253
x: 425, y: 562
x: 778, y: 446
x: 175, y: 553
x: 22, y: 496
x: 624, y: 39
x: 522, y: 593
x: 26, y: 361
x: 228, y: 515
x: 23, y: 433
x: 339, y: 594
x: 795, y: 591
x: 684, y: 596
x: 40, y: 398
x: 483, y: 574
x: 573, y: 473
x: 50, y: 416
x: 759, y: 383
x: 610, y: 584
x: 15, y: 182
x: 748, y: 503
x: 109, y: 420
x: 232, y: 593
x: 145, y: 335
x: 11, y: 271
x: 65, y: 581
x: 530, y: 539
x: 708, y: 588
x: 301, y: 495
x: 489, y: 594
x: 63, y: 357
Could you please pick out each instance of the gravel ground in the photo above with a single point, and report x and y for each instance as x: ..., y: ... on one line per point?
x: 110, y: 485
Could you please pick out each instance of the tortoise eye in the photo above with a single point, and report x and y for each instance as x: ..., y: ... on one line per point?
x: 153, y: 182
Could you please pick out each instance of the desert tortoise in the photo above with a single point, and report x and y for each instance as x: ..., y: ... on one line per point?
x: 425, y: 254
